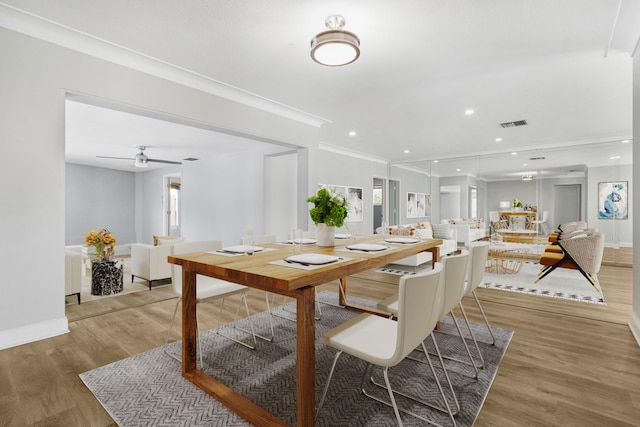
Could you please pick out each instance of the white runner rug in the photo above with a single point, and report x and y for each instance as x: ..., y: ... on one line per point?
x: 561, y: 283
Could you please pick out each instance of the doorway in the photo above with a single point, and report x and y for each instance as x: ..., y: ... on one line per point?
x: 378, y: 202
x: 172, y: 205
x: 567, y: 203
x: 394, y: 202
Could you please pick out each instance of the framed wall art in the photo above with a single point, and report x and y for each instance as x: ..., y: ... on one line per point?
x: 613, y: 200
x: 418, y: 205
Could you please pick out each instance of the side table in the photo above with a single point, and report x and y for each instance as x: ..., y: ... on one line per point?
x: 106, y: 277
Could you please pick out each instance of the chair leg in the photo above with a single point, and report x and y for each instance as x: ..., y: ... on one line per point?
x: 175, y: 311
x: 484, y: 316
x: 253, y: 335
x: 385, y: 372
x: 326, y: 386
x: 473, y: 337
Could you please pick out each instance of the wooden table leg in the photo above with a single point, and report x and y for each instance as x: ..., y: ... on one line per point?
x: 342, y: 300
x: 305, y: 357
x: 189, y: 322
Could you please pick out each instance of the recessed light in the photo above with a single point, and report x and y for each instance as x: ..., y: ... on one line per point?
x: 498, y: 139
x: 468, y: 112
x: 614, y: 157
x: 457, y: 170
x: 406, y: 151
x: 514, y: 153
x: 352, y: 133
x: 625, y: 141
x: 435, y: 161
x: 525, y: 164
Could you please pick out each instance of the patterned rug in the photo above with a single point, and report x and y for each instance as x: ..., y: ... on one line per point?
x: 148, y: 389
x: 561, y: 283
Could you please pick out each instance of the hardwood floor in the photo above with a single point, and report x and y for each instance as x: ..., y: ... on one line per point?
x: 569, y: 363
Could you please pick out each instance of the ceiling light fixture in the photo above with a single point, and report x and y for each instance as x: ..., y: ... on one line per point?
x: 469, y: 112
x: 527, y: 177
x: 498, y: 139
x: 335, y: 47
x: 141, y: 161
x: 352, y: 133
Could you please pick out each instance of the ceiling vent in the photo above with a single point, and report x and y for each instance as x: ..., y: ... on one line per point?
x: 537, y: 158
x: 513, y: 124
x: 190, y: 159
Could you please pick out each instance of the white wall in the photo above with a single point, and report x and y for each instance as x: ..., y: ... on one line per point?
x: 634, y: 321
x: 98, y: 198
x: 34, y: 78
x: 280, y: 189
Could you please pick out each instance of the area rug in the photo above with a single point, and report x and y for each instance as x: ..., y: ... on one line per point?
x: 148, y: 389
x: 561, y: 283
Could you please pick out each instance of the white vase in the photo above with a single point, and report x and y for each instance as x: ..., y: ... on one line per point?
x: 325, y: 235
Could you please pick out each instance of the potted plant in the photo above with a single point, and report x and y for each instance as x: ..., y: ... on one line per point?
x: 329, y: 211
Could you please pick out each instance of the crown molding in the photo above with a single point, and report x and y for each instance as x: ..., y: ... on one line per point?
x: 41, y: 28
x: 352, y: 153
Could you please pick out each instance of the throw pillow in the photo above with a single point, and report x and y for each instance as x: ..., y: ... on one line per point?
x: 173, y: 241
x: 440, y: 231
x: 424, y: 230
x: 401, y: 231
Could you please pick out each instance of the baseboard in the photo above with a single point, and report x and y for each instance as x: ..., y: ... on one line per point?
x: 634, y: 325
x: 30, y: 333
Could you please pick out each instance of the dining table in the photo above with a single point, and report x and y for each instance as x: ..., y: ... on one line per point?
x: 267, y: 269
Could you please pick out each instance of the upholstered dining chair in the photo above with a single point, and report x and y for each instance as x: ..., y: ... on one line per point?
x: 384, y: 342
x: 478, y: 254
x: 542, y: 222
x: 208, y: 289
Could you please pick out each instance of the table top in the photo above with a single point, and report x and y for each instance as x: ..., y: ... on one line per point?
x: 524, y: 231
x: 508, y: 246
x: 258, y: 270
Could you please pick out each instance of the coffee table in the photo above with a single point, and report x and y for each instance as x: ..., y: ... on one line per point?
x: 506, y: 257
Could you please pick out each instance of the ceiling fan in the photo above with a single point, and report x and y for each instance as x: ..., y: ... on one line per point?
x: 141, y: 160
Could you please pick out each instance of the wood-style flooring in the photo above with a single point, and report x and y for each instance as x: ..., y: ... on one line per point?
x: 569, y: 363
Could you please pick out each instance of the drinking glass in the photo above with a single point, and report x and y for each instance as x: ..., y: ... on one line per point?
x: 296, y: 241
x: 247, y: 242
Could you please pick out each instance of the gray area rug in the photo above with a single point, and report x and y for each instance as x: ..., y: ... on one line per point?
x: 148, y: 389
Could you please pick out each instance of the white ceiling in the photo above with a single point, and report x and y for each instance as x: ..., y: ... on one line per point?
x: 564, y: 66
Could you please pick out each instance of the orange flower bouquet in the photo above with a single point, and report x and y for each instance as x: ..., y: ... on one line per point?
x: 103, y: 242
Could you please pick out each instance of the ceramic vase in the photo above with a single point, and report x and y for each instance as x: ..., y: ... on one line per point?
x: 325, y: 235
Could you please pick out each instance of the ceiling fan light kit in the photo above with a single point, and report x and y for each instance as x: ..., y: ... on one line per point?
x: 335, y: 47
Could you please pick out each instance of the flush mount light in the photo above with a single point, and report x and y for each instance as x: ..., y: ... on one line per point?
x: 498, y: 139
x: 527, y: 177
x: 352, y: 133
x: 335, y: 47
x: 469, y: 112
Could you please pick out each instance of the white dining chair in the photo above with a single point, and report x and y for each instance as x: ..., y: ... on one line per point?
x: 542, y: 222
x: 208, y: 289
x: 479, y: 252
x: 384, y: 342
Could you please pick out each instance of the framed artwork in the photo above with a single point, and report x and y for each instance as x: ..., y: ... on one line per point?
x: 353, y: 196
x: 354, y: 200
x: 418, y: 205
x: 613, y: 200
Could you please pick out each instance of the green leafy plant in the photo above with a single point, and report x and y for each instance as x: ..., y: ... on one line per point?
x: 329, y: 208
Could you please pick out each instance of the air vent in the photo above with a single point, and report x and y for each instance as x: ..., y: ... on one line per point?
x: 513, y: 124
x: 190, y: 159
x: 537, y: 158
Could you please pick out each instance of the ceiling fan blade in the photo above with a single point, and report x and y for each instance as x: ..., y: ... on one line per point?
x: 118, y: 158
x: 164, y: 161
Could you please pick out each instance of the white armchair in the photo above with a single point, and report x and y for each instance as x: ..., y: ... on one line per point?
x: 149, y: 262
x: 72, y: 273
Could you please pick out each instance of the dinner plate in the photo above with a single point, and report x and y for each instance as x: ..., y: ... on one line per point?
x: 240, y: 249
x: 305, y: 241
x: 313, y: 259
x: 401, y: 240
x: 343, y: 236
x: 369, y: 247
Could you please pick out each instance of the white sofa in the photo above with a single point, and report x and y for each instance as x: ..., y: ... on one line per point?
x: 468, y: 232
x: 448, y: 246
x: 149, y: 262
x: 72, y: 273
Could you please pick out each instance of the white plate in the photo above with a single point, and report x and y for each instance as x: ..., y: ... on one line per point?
x: 401, y: 240
x: 343, y: 236
x: 369, y: 247
x: 314, y: 259
x: 305, y: 241
x: 240, y: 249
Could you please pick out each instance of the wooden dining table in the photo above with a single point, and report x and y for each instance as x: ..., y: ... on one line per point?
x: 264, y: 271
